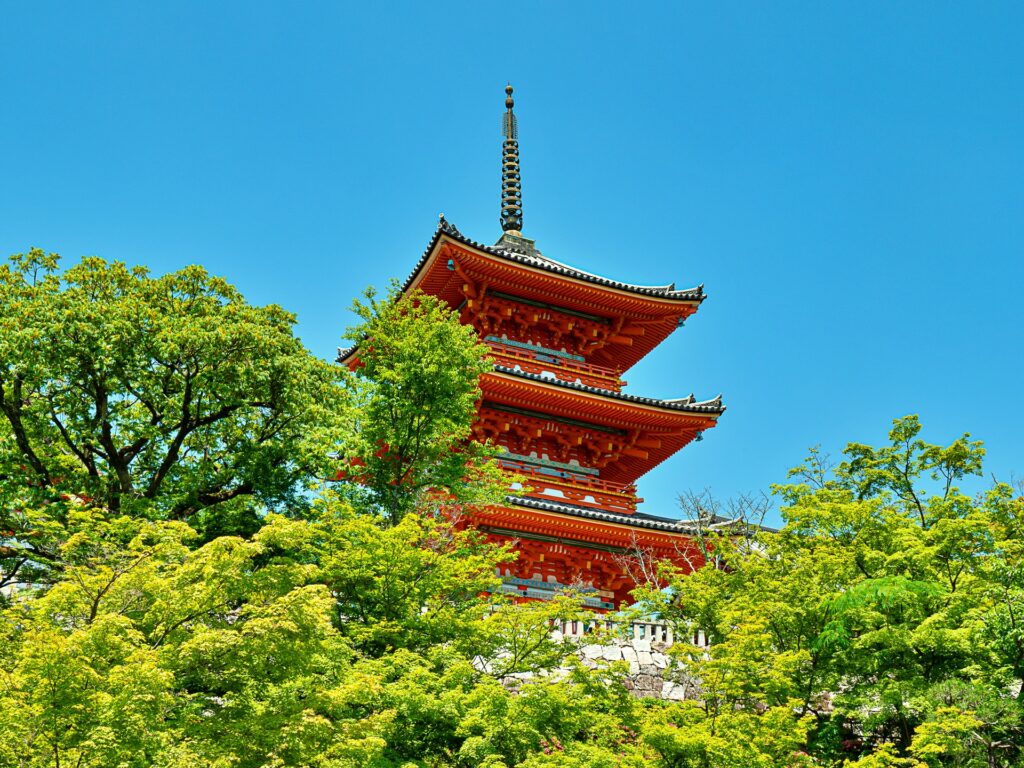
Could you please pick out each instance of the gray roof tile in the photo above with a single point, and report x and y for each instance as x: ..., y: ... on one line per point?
x: 637, y: 520
x: 445, y: 227
x: 680, y: 404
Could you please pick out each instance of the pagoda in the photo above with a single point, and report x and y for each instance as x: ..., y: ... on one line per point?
x: 560, y: 340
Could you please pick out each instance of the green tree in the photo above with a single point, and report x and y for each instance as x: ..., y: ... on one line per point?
x: 151, y: 651
x: 885, y: 610
x: 416, y: 389
x: 337, y: 636
x: 164, y: 397
x: 882, y: 626
x: 414, y: 585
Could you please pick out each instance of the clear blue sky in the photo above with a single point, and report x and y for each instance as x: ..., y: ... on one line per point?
x: 845, y: 178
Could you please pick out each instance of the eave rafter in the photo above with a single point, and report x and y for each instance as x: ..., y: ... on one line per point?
x: 561, y: 440
x: 464, y: 275
x: 622, y: 439
x: 489, y: 270
x: 616, y: 538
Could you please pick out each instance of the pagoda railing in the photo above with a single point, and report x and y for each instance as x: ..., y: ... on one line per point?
x: 538, y: 362
x: 656, y: 631
x: 579, y: 490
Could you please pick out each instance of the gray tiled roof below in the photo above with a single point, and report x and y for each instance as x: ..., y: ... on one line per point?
x: 681, y: 404
x: 637, y: 520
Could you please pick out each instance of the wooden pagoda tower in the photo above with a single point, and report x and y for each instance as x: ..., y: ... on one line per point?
x: 561, y: 339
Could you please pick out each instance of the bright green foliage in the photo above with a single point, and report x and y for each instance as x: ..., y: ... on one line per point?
x: 884, y: 756
x: 416, y: 391
x: 149, y: 652
x: 585, y: 716
x: 859, y: 635
x: 150, y: 427
x: 415, y: 585
x: 518, y: 638
x: 686, y: 735
x: 167, y: 398
x: 886, y: 611
x: 945, y: 737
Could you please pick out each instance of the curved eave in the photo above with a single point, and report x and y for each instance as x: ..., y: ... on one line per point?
x: 649, y: 522
x: 532, y: 519
x: 659, y: 308
x: 665, y: 426
x: 344, y: 353
x: 653, y: 523
x: 709, y: 408
x: 447, y: 231
x: 644, y: 321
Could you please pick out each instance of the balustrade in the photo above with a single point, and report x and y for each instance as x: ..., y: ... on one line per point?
x: 564, y: 369
x: 578, y: 489
x: 657, y: 632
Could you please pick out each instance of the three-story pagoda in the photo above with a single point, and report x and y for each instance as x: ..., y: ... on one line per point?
x: 560, y: 340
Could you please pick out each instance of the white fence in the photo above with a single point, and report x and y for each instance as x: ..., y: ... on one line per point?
x: 652, y: 630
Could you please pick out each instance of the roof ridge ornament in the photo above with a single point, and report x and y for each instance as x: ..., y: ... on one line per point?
x: 511, y: 186
x: 444, y: 225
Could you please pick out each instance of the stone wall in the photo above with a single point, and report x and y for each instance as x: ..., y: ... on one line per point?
x: 652, y: 672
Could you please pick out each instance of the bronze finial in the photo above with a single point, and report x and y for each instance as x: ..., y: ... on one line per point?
x: 511, y: 188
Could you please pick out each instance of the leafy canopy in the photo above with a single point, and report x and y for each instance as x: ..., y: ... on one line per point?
x: 881, y: 625
x: 150, y: 426
x: 415, y: 391
x: 160, y: 397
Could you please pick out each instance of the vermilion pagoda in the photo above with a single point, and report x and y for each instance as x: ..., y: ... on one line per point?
x: 560, y: 339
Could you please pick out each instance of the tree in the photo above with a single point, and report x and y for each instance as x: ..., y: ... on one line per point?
x: 413, y: 585
x: 303, y: 645
x: 151, y: 427
x: 887, y: 610
x: 162, y: 397
x: 416, y: 388
x: 318, y: 638
x: 148, y: 651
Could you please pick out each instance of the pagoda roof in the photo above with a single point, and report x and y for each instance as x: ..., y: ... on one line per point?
x: 668, y: 424
x: 642, y: 316
x: 635, y: 520
x: 536, y: 259
x: 689, y: 403
x: 717, y: 523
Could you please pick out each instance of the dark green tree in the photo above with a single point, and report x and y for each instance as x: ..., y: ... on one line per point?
x: 161, y: 397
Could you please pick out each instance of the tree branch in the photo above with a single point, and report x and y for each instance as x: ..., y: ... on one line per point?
x: 83, y: 457
x: 124, y: 478
x: 12, y: 410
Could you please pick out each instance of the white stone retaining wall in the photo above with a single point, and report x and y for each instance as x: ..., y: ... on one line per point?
x: 652, y: 672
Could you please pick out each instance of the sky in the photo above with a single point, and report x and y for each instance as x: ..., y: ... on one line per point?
x: 844, y: 179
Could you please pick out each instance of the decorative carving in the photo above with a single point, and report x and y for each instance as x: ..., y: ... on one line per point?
x: 493, y: 315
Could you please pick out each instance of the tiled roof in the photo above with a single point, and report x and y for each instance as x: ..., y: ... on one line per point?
x: 689, y: 403
x: 445, y: 227
x: 637, y: 520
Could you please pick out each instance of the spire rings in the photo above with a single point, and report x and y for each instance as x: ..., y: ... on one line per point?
x: 511, y: 186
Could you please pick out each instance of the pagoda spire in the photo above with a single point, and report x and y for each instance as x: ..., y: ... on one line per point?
x: 511, y: 188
